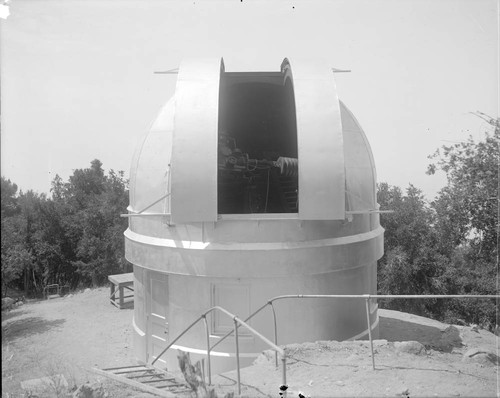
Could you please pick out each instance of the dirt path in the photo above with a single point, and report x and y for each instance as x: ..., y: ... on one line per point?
x: 71, y: 335
x: 66, y: 336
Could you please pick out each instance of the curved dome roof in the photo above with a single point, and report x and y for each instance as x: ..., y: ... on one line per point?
x: 295, y: 111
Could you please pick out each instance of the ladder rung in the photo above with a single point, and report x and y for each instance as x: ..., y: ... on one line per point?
x: 154, y: 381
x: 131, y: 371
x: 126, y: 367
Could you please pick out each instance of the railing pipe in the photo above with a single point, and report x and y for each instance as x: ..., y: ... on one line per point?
x: 275, y: 334
x: 271, y: 301
x: 177, y: 338
x: 155, y: 202
x: 367, y: 302
x: 237, y: 354
x: 251, y: 329
x: 207, y: 333
x: 355, y: 296
x: 283, y: 363
x: 128, y: 215
x: 246, y: 320
x: 384, y: 296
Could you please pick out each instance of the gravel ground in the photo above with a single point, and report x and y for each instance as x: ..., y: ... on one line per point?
x: 69, y: 336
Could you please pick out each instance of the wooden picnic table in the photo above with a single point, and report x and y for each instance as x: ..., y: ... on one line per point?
x: 118, y: 285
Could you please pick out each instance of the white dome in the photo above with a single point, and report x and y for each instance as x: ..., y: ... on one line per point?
x: 294, y: 112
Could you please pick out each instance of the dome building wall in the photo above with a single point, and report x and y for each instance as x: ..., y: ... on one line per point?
x: 191, y: 253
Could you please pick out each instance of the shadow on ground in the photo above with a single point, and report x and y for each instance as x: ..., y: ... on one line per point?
x: 6, y: 315
x: 27, y: 327
x: 431, y: 337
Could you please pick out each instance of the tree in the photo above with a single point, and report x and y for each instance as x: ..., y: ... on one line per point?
x: 74, y: 238
x: 95, y: 202
x: 15, y: 258
x: 467, y: 207
x: 449, y: 246
x: 411, y: 263
x: 467, y: 221
x: 9, y: 198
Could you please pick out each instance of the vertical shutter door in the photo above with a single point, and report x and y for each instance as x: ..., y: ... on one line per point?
x: 194, y: 147
x: 320, y: 142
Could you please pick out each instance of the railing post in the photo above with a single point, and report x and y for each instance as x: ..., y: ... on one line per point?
x: 367, y: 301
x: 208, y: 350
x: 283, y: 362
x: 275, y: 333
x: 237, y: 354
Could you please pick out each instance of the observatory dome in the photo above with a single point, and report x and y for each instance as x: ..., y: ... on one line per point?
x: 250, y: 185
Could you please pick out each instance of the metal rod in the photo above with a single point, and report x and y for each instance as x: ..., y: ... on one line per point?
x: 208, y: 351
x: 175, y: 340
x: 167, y: 72
x: 370, y: 330
x: 239, y: 321
x: 368, y: 211
x: 155, y: 202
x: 283, y: 363
x: 203, y: 369
x: 365, y: 296
x: 237, y: 354
x: 145, y: 215
x: 251, y: 329
x: 246, y: 320
x: 386, y: 296
x: 275, y: 334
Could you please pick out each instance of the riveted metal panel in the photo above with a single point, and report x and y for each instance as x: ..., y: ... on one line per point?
x: 320, y: 142
x: 194, y: 147
x: 150, y: 168
x: 359, y: 165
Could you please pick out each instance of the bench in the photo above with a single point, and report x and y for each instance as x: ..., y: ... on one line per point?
x: 118, y: 285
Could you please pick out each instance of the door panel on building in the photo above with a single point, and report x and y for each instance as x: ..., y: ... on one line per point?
x: 158, y: 318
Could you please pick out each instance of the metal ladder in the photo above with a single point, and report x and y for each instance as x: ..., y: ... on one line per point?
x: 147, y: 378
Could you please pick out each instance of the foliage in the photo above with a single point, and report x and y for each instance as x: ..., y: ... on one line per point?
x: 411, y: 264
x: 471, y: 194
x: 448, y: 246
x: 74, y: 238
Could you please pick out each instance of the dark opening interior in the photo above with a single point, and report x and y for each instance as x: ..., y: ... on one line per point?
x: 257, y: 152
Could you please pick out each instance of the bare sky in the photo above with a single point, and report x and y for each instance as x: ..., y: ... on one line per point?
x: 77, y: 78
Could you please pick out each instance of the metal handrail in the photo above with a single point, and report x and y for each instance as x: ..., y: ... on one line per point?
x: 367, y: 297
x: 277, y: 349
x: 237, y: 322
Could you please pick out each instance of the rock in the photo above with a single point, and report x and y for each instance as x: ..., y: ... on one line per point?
x: 380, y: 343
x: 88, y: 390
x: 267, y: 356
x: 87, y: 290
x: 7, y: 303
x: 410, y: 347
x: 450, y: 338
x: 339, y: 383
x: 482, y: 356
